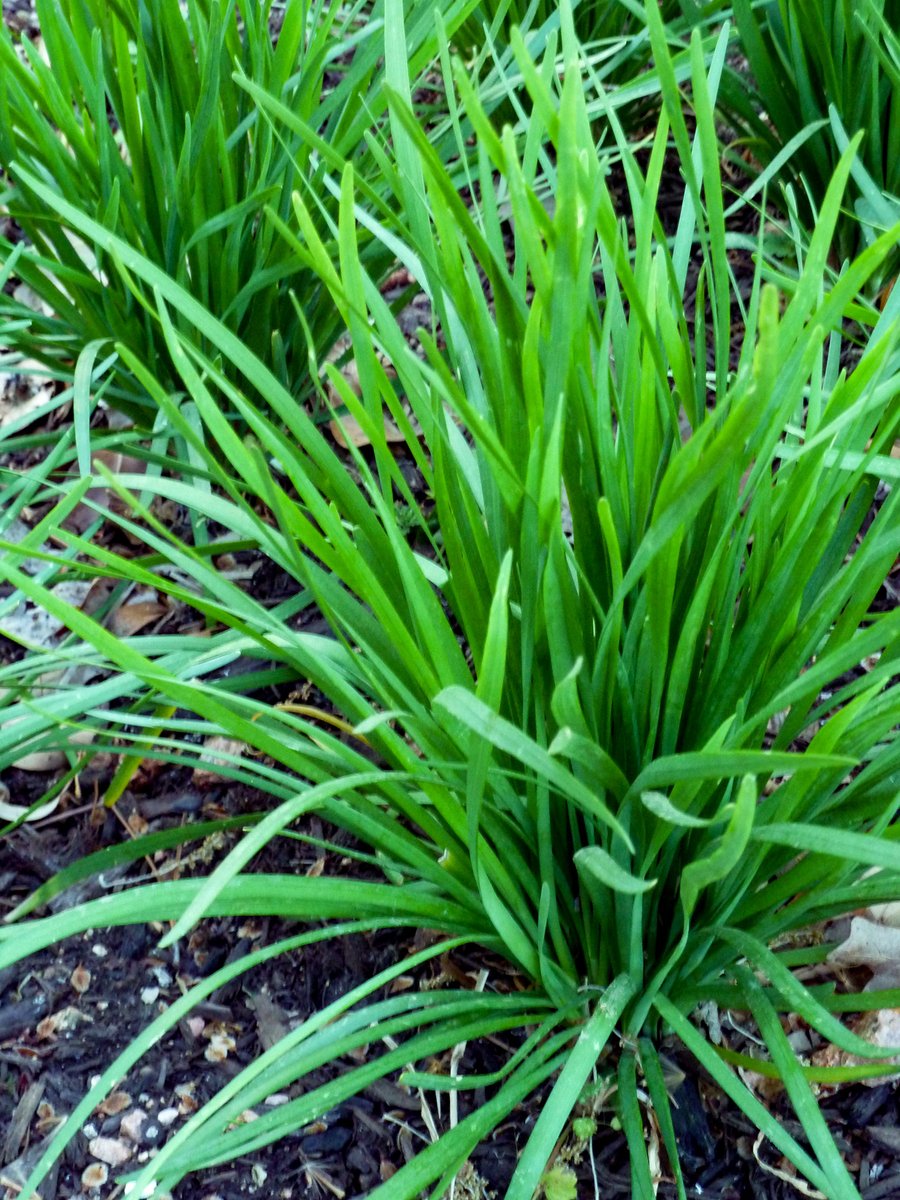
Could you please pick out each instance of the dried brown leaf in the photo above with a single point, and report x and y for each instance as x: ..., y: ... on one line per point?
x: 129, y: 619
x: 347, y: 432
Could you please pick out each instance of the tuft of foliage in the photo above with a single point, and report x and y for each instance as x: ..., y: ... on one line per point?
x: 824, y: 72
x: 621, y: 23
x: 130, y: 112
x: 566, y: 707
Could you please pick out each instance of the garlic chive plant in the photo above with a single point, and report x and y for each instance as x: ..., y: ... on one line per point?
x: 130, y: 112
x: 577, y: 686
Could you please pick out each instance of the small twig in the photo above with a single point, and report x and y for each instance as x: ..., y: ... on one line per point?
x: 800, y: 1185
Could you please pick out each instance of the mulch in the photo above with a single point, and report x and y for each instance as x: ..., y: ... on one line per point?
x: 70, y: 1009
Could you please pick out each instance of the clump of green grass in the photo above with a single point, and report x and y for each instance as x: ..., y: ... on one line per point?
x: 131, y: 114
x: 588, y: 781
x: 824, y: 72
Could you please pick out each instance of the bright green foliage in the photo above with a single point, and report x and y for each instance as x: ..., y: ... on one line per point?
x: 825, y: 70
x: 135, y: 118
x: 619, y: 23
x: 563, y: 681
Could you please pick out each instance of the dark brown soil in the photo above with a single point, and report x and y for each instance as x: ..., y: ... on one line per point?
x: 67, y: 1012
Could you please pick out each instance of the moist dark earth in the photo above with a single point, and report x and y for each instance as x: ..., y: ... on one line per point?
x: 65, y: 1014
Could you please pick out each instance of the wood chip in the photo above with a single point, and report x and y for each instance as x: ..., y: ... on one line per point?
x: 94, y: 1176
x: 114, y: 1103
x: 20, y: 1122
x: 80, y: 979
x: 110, y: 1150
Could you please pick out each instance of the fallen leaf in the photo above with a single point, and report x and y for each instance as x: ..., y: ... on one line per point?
x: 39, y: 760
x: 347, y: 431
x: 880, y: 1028
x: 213, y: 749
x: 23, y: 390
x: 886, y: 914
x: 35, y: 625
x: 129, y: 619
x: 869, y: 944
x: 60, y: 1022
x: 83, y: 515
x: 44, y: 760
x: 17, y: 531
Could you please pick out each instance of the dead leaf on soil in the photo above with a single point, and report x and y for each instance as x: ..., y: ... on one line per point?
x: 35, y: 625
x: 213, y: 749
x: 17, y: 531
x: 25, y: 295
x: 874, y: 945
x: 886, y: 914
x: 83, y: 515
x: 60, y: 1022
x: 347, y: 432
x: 880, y: 1028
x: 23, y: 390
x: 129, y: 619
x: 44, y: 760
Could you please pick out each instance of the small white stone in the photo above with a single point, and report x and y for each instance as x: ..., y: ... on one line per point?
x: 132, y: 1123
x: 149, y: 995
x: 167, y: 1116
x: 100, y: 950
x: 148, y: 1190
